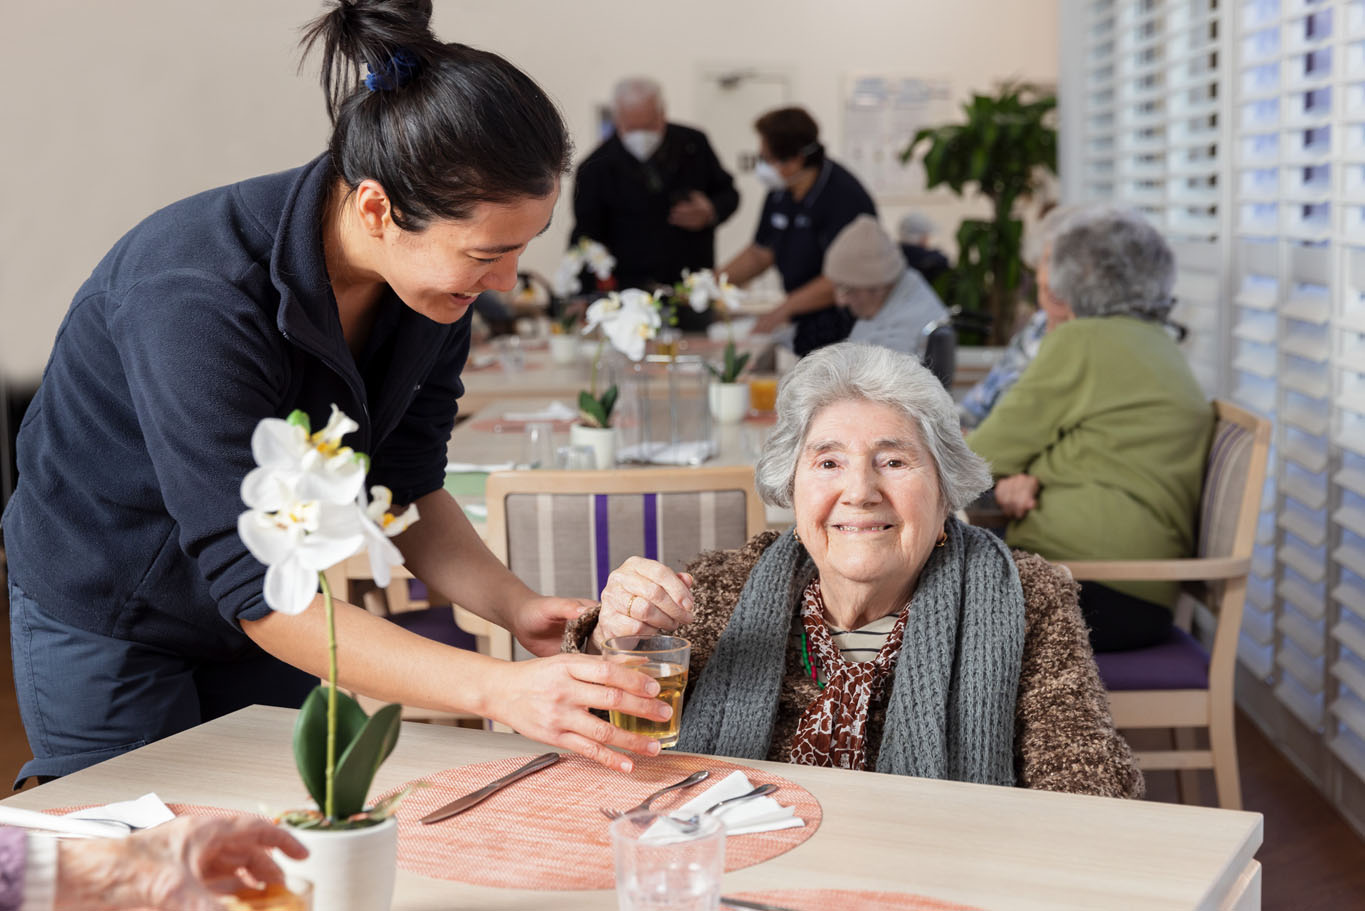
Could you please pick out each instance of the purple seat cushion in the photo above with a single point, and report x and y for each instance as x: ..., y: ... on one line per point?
x: 1179, y: 663
x: 436, y: 623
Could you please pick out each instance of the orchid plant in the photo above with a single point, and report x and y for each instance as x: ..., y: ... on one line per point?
x: 587, y: 253
x: 702, y: 290
x: 628, y: 319
x: 307, y: 511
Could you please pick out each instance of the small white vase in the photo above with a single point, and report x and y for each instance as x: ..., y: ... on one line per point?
x: 729, y: 401
x: 601, y: 439
x: 564, y: 349
x: 350, y: 869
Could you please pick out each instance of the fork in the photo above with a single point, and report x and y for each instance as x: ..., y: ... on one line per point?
x: 700, y: 775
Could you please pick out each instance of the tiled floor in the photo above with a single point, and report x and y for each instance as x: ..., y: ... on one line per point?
x: 1312, y: 858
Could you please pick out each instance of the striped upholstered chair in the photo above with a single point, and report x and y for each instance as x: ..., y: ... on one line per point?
x: 563, y: 532
x: 1179, y: 684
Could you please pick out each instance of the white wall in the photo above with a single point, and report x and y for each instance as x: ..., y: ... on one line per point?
x: 115, y: 108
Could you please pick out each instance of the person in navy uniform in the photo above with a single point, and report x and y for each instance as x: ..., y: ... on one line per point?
x: 810, y: 200
x: 653, y: 194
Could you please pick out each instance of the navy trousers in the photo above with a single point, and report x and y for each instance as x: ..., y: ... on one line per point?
x: 85, y: 697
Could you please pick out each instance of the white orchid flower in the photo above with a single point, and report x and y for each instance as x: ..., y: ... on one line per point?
x: 293, y: 465
x: 379, y: 526
x: 565, y: 281
x: 296, y: 543
x: 701, y: 289
x: 598, y: 258
x: 628, y: 319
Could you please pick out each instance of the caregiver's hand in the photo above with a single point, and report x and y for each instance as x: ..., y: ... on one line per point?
x: 643, y: 597
x: 548, y: 699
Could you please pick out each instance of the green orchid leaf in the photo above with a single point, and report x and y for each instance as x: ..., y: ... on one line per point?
x: 299, y: 418
x: 590, y: 410
x: 608, y: 404
x: 310, y: 737
x: 365, y: 751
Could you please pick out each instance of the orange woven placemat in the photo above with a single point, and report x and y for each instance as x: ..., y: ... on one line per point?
x: 848, y: 900
x: 545, y: 831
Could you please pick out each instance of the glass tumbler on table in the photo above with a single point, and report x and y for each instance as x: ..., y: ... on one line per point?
x: 663, y: 864
x: 665, y: 658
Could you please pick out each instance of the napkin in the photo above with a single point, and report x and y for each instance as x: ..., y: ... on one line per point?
x: 143, y: 813
x: 739, y: 327
x: 690, y: 453
x: 473, y: 466
x: 555, y: 411
x: 758, y: 814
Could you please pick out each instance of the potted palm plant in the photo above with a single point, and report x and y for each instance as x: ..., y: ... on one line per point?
x: 1003, y: 147
x: 307, y: 510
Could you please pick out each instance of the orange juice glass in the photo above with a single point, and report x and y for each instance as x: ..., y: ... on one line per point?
x: 763, y: 393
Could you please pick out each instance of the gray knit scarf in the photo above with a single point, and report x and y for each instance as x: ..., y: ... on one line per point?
x: 951, y: 709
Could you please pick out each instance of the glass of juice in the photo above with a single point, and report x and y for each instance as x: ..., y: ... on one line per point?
x: 664, y: 658
x: 763, y: 394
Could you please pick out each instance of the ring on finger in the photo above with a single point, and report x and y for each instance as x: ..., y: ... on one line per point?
x: 630, y: 608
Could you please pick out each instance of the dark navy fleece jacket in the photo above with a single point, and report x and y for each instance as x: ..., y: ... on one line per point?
x: 213, y: 313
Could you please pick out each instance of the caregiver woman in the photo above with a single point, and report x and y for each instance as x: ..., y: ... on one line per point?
x: 136, y: 610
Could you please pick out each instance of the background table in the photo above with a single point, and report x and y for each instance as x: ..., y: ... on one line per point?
x: 996, y: 848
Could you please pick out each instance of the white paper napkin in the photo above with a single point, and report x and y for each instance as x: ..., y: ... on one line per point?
x: 739, y: 327
x: 555, y: 411
x: 143, y: 813
x: 758, y: 814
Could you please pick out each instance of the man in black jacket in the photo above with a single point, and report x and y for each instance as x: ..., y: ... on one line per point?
x: 653, y: 193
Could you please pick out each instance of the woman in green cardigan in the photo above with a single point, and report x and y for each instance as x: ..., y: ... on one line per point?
x: 1099, y: 448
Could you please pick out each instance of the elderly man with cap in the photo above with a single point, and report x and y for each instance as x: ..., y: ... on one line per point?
x: 891, y: 302
x: 653, y: 193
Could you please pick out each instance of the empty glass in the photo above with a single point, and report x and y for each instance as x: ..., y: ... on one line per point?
x: 664, y: 865
x: 576, y: 458
x: 538, y: 448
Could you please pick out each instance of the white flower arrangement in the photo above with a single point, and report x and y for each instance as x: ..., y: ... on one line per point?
x: 703, y: 288
x: 628, y: 319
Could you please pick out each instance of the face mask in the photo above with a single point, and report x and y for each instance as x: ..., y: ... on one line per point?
x: 642, y: 143
x: 768, y: 176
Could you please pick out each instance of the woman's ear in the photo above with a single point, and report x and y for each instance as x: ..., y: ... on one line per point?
x: 372, y: 207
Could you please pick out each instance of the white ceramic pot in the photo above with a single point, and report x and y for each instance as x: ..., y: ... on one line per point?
x: 350, y: 869
x: 601, y: 439
x: 729, y: 401
x: 564, y: 349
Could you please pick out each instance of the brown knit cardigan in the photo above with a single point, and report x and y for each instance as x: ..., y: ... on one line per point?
x: 1064, y: 736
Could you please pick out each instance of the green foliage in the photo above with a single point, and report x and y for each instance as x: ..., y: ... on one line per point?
x: 734, y: 365
x: 364, y: 742
x: 1002, y: 148
x: 594, y: 411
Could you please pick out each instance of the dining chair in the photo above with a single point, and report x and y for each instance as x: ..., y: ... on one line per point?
x: 407, y: 603
x: 563, y: 532
x: 1179, y: 684
x: 938, y: 350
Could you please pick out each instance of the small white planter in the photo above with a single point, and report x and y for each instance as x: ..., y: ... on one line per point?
x: 729, y: 401
x: 601, y: 439
x: 350, y: 869
x: 564, y: 349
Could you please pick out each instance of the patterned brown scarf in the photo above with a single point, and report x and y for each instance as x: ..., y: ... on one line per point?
x: 833, y: 727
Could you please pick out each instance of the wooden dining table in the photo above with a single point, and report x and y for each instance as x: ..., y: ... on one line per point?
x: 975, y: 845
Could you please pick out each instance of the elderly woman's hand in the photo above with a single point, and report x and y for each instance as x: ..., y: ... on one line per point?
x: 643, y: 597
x: 180, y: 864
x: 1016, y: 495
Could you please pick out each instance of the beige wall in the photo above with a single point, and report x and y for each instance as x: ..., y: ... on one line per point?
x: 115, y: 108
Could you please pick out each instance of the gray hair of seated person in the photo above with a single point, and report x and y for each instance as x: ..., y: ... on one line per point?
x: 635, y: 90
x: 848, y: 372
x: 1112, y: 263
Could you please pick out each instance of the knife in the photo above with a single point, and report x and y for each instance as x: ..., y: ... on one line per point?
x: 460, y: 804
x: 752, y: 906
x: 85, y: 828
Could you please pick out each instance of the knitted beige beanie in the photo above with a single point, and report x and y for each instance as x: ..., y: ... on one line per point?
x: 863, y: 256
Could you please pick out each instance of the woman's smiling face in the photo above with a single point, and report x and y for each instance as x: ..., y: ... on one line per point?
x: 866, y: 496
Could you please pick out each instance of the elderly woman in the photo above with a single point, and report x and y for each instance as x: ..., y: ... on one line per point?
x: 880, y: 633
x: 1100, y: 446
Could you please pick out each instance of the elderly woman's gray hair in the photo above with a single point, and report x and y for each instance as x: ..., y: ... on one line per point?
x: 1112, y: 263
x: 850, y: 371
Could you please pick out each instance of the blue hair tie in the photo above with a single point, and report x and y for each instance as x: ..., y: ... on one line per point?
x: 398, y: 72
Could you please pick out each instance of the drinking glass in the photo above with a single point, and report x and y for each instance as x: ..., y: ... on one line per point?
x: 511, y: 355
x: 538, y: 448
x: 664, y: 658
x: 665, y: 865
x: 763, y: 394
x: 576, y: 458
x: 295, y: 895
